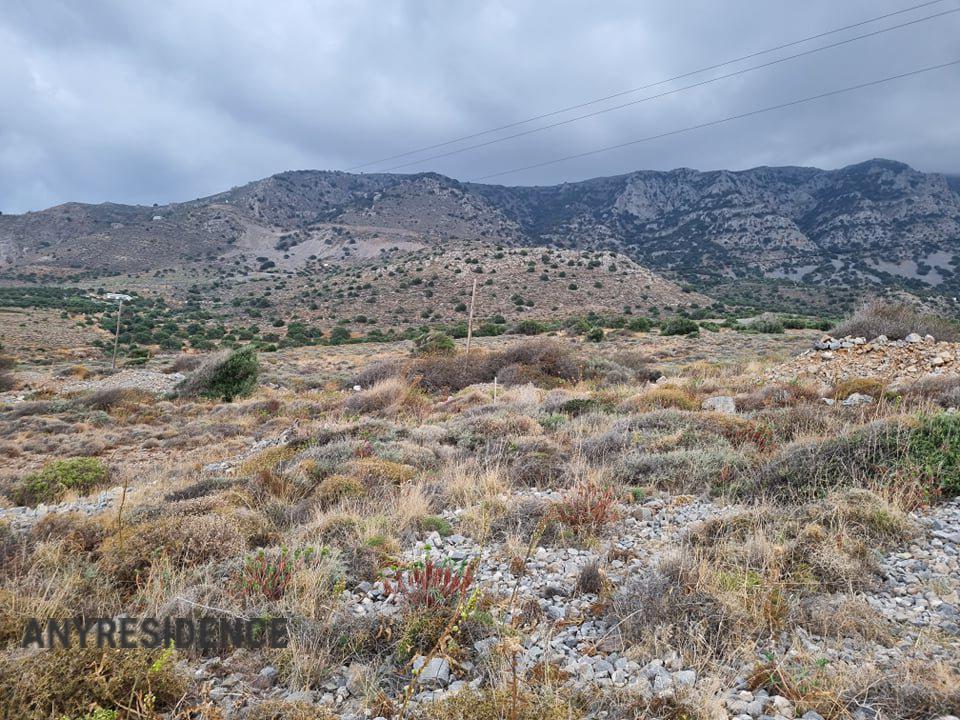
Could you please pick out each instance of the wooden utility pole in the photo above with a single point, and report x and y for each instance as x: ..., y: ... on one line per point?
x: 473, y: 299
x: 116, y: 337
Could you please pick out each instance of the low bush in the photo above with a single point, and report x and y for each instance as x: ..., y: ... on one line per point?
x: 766, y: 323
x: 336, y: 488
x: 224, y: 376
x: 55, y: 683
x: 896, y: 321
x: 376, y: 472
x: 884, y: 453
x: 686, y: 470
x: 437, y: 524
x: 181, y: 541
x: 538, y: 462
x: 112, y: 397
x: 639, y: 324
x: 386, y: 397
x: 934, y: 449
x: 184, y: 363
x: 666, y: 396
x: 679, y: 326
x: 944, y: 390
x: 433, y: 343
x: 80, y: 475
x: 541, y: 361
x: 864, y: 386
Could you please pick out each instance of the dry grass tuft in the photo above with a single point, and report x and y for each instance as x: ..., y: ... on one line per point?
x: 388, y: 397
x: 182, y: 541
x: 499, y: 704
x: 873, y: 387
x: 664, y: 396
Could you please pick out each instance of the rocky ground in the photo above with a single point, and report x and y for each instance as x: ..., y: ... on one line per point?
x: 919, y: 589
x: 832, y: 360
x: 622, y: 556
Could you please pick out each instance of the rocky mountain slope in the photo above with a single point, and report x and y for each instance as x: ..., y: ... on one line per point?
x: 876, y: 223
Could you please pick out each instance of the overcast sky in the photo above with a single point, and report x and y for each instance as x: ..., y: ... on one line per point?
x: 140, y: 102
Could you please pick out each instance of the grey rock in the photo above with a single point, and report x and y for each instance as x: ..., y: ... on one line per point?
x: 686, y: 678
x: 721, y: 404
x: 301, y: 696
x: 436, y: 673
x: 857, y: 399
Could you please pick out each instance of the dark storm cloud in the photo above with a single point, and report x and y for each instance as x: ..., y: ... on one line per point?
x: 154, y: 102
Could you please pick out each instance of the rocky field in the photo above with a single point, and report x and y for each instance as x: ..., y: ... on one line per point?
x: 721, y: 525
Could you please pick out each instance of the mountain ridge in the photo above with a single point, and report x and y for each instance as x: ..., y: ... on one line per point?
x: 878, y: 222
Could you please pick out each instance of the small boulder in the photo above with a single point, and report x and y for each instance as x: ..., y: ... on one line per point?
x: 435, y: 673
x: 857, y: 399
x: 913, y: 338
x: 721, y: 404
x: 685, y: 678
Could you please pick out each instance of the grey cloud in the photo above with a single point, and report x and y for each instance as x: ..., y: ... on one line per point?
x: 157, y: 102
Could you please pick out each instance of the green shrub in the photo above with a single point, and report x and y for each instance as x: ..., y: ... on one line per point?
x: 880, y: 452
x: 339, y: 335
x: 679, y: 326
x: 434, y: 343
x: 528, y: 327
x: 639, y: 324
x: 435, y: 523
x: 81, y: 474
x: 766, y: 323
x: 225, y: 376
x: 934, y: 448
x: 595, y: 334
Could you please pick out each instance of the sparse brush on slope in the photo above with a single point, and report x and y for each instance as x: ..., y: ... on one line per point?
x: 896, y: 321
x: 223, y: 376
x: 7, y: 381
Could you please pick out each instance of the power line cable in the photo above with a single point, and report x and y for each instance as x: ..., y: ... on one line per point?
x: 667, y: 92
x: 727, y: 119
x: 615, y: 95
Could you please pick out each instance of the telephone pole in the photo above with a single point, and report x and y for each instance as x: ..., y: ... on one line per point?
x: 473, y: 300
x: 119, y: 298
x: 116, y: 337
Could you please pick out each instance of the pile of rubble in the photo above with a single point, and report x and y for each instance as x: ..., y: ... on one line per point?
x: 833, y: 360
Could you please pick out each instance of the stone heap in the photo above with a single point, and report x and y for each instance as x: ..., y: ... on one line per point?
x: 832, y: 360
